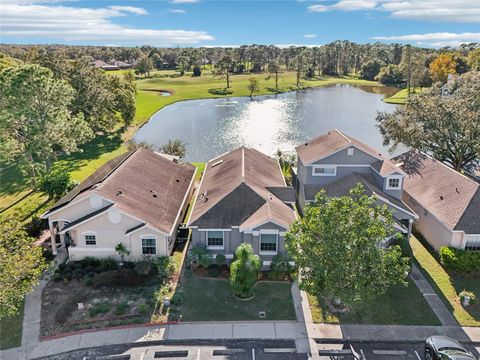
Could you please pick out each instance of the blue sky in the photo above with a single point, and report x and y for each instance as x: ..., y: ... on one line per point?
x: 432, y: 23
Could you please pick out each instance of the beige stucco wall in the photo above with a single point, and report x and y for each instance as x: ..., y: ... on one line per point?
x: 77, y: 210
x: 432, y: 229
x: 109, y: 235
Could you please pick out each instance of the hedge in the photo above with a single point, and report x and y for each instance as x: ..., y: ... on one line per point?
x: 460, y: 261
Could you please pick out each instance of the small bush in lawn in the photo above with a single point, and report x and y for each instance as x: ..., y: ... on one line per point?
x: 220, y: 260
x: 461, y: 261
x: 143, y: 309
x: 121, y: 309
x: 99, y: 309
x: 244, y: 271
x: 213, y: 271
x: 178, y: 299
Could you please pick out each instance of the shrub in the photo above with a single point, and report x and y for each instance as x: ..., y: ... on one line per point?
x: 199, y: 256
x: 62, y: 266
x: 143, y: 309
x: 99, y: 309
x: 56, y: 184
x: 87, y: 280
x: 280, y: 267
x: 461, y: 261
x: 178, y: 299
x: 466, y: 293
x: 57, y: 276
x: 144, y: 267
x: 197, y: 71
x: 220, y: 260
x: 78, y: 274
x: 35, y: 227
x: 121, y: 309
x: 90, y: 261
x: 244, y: 271
x: 165, y: 267
x: 108, y: 264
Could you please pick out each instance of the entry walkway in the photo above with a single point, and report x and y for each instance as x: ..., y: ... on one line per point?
x: 432, y: 298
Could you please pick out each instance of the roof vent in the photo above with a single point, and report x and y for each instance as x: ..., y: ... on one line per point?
x: 306, y: 144
x: 119, y: 192
x: 270, y: 197
x: 217, y: 163
x: 456, y: 189
x: 155, y: 196
x: 177, y: 180
x: 441, y: 197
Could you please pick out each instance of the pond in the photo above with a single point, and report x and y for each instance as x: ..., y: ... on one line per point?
x: 211, y: 127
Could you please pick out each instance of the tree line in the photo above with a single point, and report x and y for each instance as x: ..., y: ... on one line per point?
x: 51, y: 105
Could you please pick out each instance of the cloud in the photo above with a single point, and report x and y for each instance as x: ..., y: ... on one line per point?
x: 432, y: 36
x: 318, y: 8
x: 183, y: 1
x: 462, y: 11
x: 310, y: 36
x: 440, y: 39
x: 176, y: 11
x: 132, y: 9
x: 352, y: 5
x: 92, y: 25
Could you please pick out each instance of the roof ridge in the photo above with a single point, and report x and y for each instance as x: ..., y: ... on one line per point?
x: 342, y: 135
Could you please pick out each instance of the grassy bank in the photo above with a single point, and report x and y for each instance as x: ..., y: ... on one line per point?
x: 15, y: 192
x: 400, y: 97
x: 448, y: 284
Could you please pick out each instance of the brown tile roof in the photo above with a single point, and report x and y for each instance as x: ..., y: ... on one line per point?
x: 333, y: 141
x: 234, y: 189
x: 452, y: 197
x: 143, y: 184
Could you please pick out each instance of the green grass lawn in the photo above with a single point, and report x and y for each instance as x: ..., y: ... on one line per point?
x: 398, y: 306
x: 11, y: 331
x: 212, y: 300
x: 448, y: 284
x: 400, y: 97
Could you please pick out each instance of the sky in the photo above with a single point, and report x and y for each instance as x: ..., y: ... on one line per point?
x: 428, y: 23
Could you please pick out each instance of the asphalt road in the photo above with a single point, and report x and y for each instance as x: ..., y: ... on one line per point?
x: 191, y: 350
x: 378, y: 350
x: 252, y: 350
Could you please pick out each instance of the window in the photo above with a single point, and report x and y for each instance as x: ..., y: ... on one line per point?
x: 268, y: 243
x: 394, y: 182
x: 90, y: 239
x: 350, y: 151
x: 149, y: 246
x: 324, y: 170
x: 215, y: 239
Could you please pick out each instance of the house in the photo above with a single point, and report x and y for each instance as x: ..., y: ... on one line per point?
x: 243, y: 198
x: 447, y: 202
x: 336, y: 163
x: 138, y: 199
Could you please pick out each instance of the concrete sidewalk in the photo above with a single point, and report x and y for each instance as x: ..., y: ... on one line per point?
x: 185, y: 331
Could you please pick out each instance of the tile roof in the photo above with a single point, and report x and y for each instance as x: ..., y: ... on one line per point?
x: 452, y: 197
x: 342, y: 187
x: 141, y: 183
x: 333, y: 141
x: 234, y: 189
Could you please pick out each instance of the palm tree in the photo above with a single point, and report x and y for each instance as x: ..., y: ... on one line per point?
x: 175, y: 148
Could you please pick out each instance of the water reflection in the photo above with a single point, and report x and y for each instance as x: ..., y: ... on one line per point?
x: 214, y: 126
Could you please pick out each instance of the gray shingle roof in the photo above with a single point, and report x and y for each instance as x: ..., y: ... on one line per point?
x: 342, y: 187
x: 452, y: 197
x: 234, y: 191
x: 284, y: 193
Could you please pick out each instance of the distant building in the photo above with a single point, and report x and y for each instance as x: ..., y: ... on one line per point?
x: 113, y: 65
